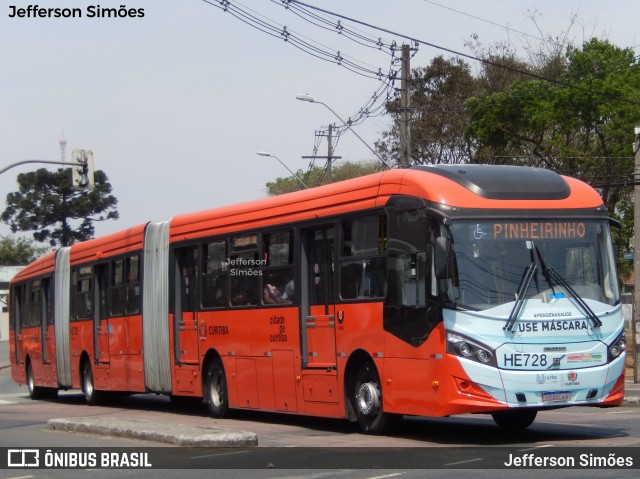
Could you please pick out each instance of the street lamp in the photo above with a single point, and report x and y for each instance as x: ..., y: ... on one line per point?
x: 310, y: 99
x: 81, y: 168
x: 266, y: 153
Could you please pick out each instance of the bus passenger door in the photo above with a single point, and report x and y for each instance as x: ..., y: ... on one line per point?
x: 18, y: 318
x: 317, y: 307
x: 185, y: 320
x: 48, y: 337
x: 102, y: 328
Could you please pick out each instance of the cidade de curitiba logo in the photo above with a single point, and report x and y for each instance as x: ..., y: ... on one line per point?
x: 66, y: 458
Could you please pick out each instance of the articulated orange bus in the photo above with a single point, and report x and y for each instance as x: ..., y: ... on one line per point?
x: 429, y: 291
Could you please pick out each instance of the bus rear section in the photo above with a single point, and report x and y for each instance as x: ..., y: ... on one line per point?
x: 32, y: 335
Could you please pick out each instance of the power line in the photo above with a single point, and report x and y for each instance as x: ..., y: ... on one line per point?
x: 322, y: 52
x: 376, y: 105
x: 472, y: 57
x: 466, y: 14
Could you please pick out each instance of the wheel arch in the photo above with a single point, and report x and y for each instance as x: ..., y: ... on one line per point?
x: 210, y: 356
x: 84, y: 358
x: 27, y: 365
x: 354, y: 363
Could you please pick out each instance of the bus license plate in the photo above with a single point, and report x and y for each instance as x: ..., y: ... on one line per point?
x: 556, y: 396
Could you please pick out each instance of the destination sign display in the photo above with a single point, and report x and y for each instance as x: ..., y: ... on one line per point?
x: 530, y: 230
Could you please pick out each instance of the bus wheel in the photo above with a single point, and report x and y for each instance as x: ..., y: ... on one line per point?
x: 91, y: 396
x: 367, y: 402
x: 215, y: 385
x: 39, y: 392
x: 35, y: 392
x: 514, y: 420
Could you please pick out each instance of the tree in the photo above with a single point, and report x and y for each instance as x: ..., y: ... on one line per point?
x: 317, y: 176
x: 47, y: 204
x: 579, y: 125
x: 18, y: 252
x: 439, y: 120
x: 570, y: 109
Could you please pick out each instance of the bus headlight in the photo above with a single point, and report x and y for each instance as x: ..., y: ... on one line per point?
x: 461, y: 346
x: 617, y: 347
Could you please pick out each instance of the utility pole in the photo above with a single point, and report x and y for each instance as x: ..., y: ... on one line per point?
x: 329, y: 152
x: 635, y: 326
x: 330, y: 156
x: 405, y: 112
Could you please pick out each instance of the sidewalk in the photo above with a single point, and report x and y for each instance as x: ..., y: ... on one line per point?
x: 631, y: 393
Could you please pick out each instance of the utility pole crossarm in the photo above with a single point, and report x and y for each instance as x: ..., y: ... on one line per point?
x: 310, y: 99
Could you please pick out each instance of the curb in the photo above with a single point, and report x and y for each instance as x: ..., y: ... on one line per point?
x: 179, y: 435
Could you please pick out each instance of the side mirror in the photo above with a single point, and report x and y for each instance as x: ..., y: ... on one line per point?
x: 442, y: 258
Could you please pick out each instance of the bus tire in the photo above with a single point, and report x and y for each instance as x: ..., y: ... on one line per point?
x: 515, y: 419
x: 216, y: 392
x: 366, y: 398
x: 91, y: 395
x: 35, y: 392
x: 38, y: 392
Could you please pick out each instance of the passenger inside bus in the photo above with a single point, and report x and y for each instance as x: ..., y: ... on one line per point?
x: 273, y: 295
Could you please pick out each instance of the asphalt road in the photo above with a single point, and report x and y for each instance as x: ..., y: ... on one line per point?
x: 292, y: 446
x: 302, y: 447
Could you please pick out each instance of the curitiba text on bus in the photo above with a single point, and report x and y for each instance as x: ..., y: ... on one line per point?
x: 538, y: 230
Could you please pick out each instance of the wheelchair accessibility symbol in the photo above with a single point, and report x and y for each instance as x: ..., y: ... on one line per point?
x: 478, y: 233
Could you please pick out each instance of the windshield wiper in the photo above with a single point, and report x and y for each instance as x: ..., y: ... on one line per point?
x: 581, y: 302
x: 521, y: 294
x: 549, y: 274
x: 552, y: 274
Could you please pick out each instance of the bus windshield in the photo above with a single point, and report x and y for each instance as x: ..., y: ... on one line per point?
x: 493, y: 257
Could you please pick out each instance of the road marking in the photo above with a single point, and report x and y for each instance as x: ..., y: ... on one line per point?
x: 217, y: 455
x: 395, y: 474
x: 535, y: 448
x: 4, y: 403
x: 21, y: 477
x: 464, y: 462
x: 622, y: 412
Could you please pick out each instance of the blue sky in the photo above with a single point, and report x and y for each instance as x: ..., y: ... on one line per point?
x: 176, y: 104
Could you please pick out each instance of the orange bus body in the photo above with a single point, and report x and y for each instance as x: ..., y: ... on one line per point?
x: 304, y: 356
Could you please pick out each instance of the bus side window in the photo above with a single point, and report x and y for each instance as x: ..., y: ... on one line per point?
x: 277, y: 277
x: 410, y: 259
x: 125, y: 286
x: 363, y: 264
x: 133, y: 285
x: 245, y: 269
x: 214, y: 274
x: 18, y: 310
x: 82, y: 294
x: 117, y: 288
x: 187, y: 263
x: 34, y: 304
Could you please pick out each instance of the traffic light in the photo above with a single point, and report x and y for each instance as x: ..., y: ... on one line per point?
x: 82, y: 169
